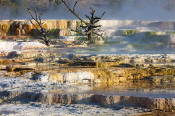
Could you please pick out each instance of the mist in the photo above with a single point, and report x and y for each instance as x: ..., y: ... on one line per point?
x: 150, y: 10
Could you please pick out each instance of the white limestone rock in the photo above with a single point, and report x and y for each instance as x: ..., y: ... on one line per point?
x: 42, y: 77
x: 78, y: 77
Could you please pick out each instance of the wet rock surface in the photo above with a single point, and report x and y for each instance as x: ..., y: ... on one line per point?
x: 121, y: 84
x: 64, y: 110
x: 21, y: 90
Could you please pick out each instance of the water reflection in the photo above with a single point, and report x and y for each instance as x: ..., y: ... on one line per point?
x: 139, y: 88
x: 130, y: 45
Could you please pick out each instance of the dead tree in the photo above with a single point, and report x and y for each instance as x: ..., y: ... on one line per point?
x: 38, y: 24
x: 90, y: 27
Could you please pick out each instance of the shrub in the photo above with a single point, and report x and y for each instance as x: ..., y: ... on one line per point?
x: 54, y: 32
x: 129, y: 32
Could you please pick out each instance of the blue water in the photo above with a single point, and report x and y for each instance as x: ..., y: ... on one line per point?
x: 129, y: 45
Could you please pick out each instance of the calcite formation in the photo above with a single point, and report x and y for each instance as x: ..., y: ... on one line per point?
x: 109, y: 71
x: 67, y: 77
x: 161, y: 104
x: 25, y: 28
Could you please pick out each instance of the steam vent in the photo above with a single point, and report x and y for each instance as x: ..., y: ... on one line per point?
x: 87, y: 58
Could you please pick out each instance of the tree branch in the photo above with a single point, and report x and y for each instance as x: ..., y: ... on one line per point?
x: 73, y: 12
x: 89, y: 28
x: 75, y: 5
x: 37, y: 18
x: 102, y: 14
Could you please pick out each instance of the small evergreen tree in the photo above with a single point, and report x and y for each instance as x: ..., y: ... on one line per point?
x: 90, y: 27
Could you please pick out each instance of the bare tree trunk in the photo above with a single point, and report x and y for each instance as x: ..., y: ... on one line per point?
x: 37, y: 18
x: 90, y: 36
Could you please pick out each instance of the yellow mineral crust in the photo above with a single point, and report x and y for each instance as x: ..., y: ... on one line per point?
x: 56, y: 77
x: 114, y: 76
x: 24, y: 27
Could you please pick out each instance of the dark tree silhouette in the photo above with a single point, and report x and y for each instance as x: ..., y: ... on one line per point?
x: 90, y: 27
x: 39, y: 25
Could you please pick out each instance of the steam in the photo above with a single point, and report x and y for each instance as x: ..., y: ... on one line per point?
x: 154, y: 10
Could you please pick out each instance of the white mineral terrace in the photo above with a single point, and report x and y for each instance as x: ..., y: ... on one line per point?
x: 131, y: 72
x: 47, y: 81
x: 6, y: 46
